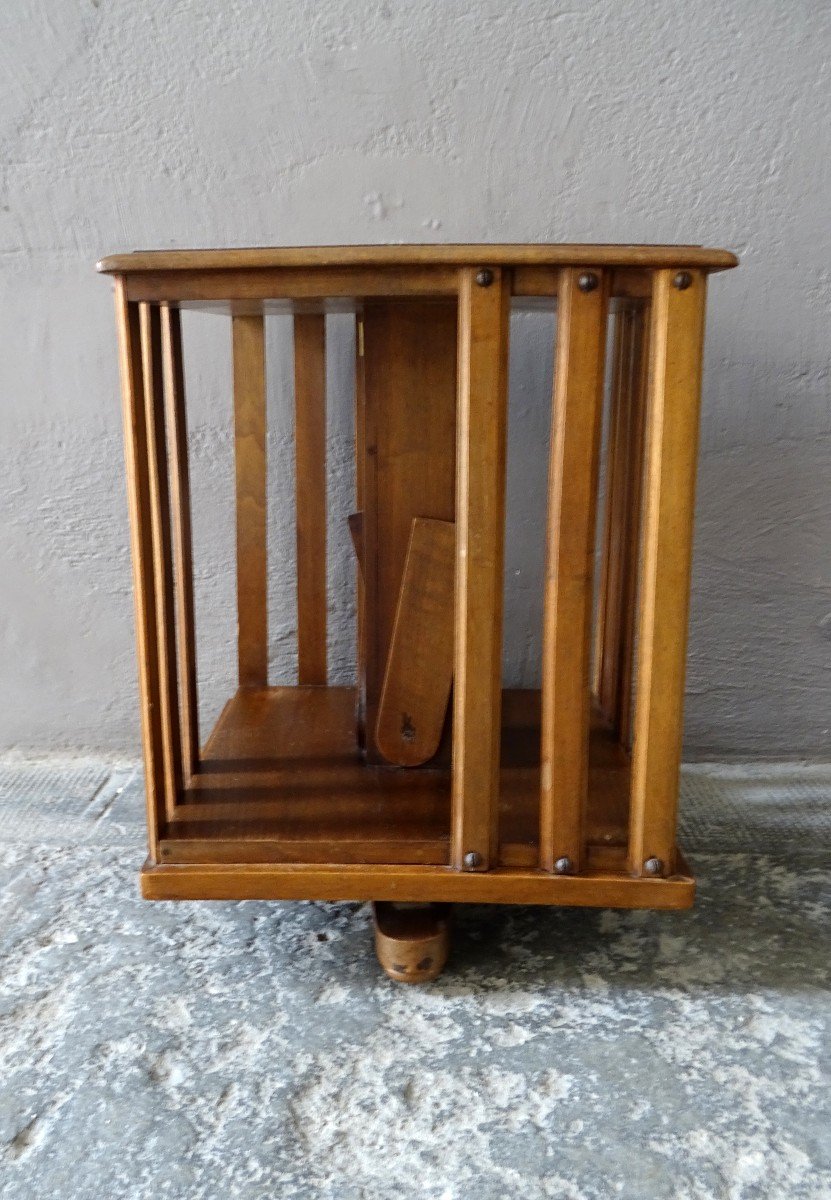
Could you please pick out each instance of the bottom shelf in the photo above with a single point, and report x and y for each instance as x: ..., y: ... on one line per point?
x: 281, y: 780
x: 283, y: 806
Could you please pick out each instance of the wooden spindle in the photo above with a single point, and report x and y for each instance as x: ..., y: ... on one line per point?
x: 159, y: 495
x: 484, y: 299
x: 675, y: 353
x: 141, y: 544
x: 249, y: 436
x: 310, y: 491
x: 177, y: 434
x: 572, y: 509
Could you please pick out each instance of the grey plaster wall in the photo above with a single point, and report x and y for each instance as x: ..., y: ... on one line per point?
x: 221, y: 122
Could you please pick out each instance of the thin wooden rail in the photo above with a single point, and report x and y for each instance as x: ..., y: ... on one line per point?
x: 177, y: 435
x: 310, y: 492
x: 159, y: 498
x: 141, y: 541
x: 480, y: 535
x: 572, y: 508
x: 249, y: 436
x: 676, y: 341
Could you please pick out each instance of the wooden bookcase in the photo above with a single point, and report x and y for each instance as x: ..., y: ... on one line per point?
x: 426, y: 781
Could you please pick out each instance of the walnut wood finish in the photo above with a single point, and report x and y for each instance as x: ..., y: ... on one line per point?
x: 291, y: 797
x: 480, y: 530
x: 572, y: 506
x: 675, y: 354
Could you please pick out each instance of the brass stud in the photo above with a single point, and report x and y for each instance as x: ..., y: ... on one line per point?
x: 682, y: 281
x: 484, y: 277
x: 588, y: 281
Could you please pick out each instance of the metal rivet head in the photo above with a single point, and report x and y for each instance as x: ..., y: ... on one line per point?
x: 682, y: 280
x: 588, y: 281
x: 484, y: 277
x: 563, y: 865
x: 653, y: 866
x: 472, y: 860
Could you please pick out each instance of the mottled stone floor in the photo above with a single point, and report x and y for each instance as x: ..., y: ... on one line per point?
x: 253, y: 1050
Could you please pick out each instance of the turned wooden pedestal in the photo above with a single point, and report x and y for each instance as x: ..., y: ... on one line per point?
x: 426, y: 781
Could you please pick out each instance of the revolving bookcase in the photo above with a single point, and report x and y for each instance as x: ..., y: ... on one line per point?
x: 426, y: 782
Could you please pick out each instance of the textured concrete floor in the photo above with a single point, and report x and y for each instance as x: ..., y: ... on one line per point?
x: 251, y: 1050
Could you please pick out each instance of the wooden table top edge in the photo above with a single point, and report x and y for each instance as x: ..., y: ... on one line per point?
x: 423, y: 254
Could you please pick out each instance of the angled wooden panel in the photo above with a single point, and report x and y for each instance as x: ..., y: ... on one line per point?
x: 572, y: 509
x: 177, y: 434
x: 141, y: 542
x: 676, y: 343
x: 480, y: 536
x: 310, y: 491
x: 159, y: 495
x: 419, y: 669
x: 249, y: 436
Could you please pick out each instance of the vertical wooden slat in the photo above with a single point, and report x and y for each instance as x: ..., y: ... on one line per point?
x: 177, y: 434
x: 484, y: 322
x: 249, y: 435
x: 618, y: 561
x: 310, y: 490
x: 629, y: 598
x: 572, y: 511
x: 151, y: 355
x: 356, y: 529
x: 676, y: 343
x: 607, y: 626
x: 141, y: 542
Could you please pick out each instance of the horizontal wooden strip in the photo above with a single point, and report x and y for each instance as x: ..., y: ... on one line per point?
x: 430, y: 850
x: 262, y: 291
x: 372, y: 850
x: 626, y: 283
x: 565, y: 255
x: 411, y: 883
x: 611, y: 857
x: 291, y: 283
